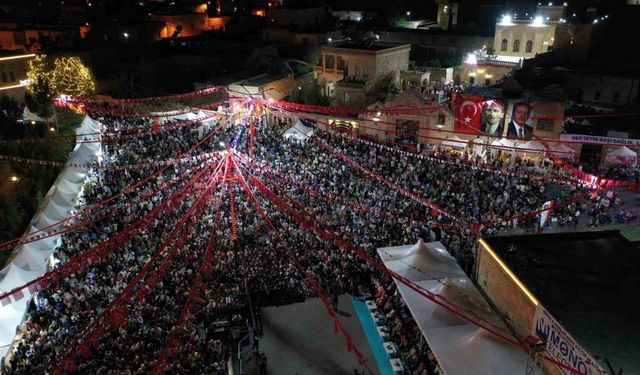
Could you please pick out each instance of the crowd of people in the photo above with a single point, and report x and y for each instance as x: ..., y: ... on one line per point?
x: 257, y: 269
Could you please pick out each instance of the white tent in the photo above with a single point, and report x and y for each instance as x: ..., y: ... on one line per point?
x: 10, y: 317
x: 29, y: 116
x: 561, y: 151
x: 455, y: 142
x: 623, y: 155
x: 459, y: 346
x: 531, y: 146
x: 299, y: 131
x: 13, y: 276
x: 30, y: 259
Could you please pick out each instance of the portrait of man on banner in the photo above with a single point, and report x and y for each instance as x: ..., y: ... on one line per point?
x: 521, y: 121
x: 468, y: 113
x: 492, y: 118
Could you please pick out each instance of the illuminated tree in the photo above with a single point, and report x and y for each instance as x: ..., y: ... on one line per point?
x: 70, y: 76
x: 38, y: 73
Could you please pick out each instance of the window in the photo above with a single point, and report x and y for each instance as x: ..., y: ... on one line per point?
x: 364, y: 71
x: 516, y: 45
x: 346, y: 97
x: 487, y: 82
x: 4, y: 77
x: 328, y: 61
x: 503, y: 46
x: 596, y: 95
x: 440, y: 118
x: 342, y: 63
x: 12, y: 76
x: 616, y: 95
x: 529, y: 46
x: 545, y: 124
x: 472, y: 80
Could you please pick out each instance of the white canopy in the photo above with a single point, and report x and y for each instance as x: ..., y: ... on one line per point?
x: 27, y: 115
x: 623, y: 155
x: 455, y: 142
x: 299, y: 131
x: 561, y: 151
x: 10, y: 317
x: 13, y: 276
x: 30, y: 259
x: 459, y: 346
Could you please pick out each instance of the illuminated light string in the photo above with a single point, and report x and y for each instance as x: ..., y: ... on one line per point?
x: 339, y: 327
x: 326, y: 235
x: 172, y: 342
x: 194, y: 94
x: 314, y: 218
x: 101, y: 110
x: 100, y: 250
x: 106, y: 166
x: 114, y: 137
x: 41, y: 233
x: 581, y: 175
x: 114, y: 314
x: 90, y: 219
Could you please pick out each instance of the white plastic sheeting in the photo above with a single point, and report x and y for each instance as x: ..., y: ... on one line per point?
x: 459, y: 346
x: 455, y: 142
x: 29, y: 260
x: 299, y: 131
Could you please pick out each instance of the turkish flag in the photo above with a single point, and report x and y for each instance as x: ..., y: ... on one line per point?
x: 468, y: 112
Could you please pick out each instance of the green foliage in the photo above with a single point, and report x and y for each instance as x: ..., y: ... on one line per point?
x: 39, y: 100
x: 399, y: 22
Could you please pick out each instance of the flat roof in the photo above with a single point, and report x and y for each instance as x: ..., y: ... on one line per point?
x: 376, y: 46
x: 259, y: 80
x: 590, y: 282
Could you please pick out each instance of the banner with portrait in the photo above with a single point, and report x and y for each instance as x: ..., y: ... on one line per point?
x: 519, y: 120
x: 492, y: 113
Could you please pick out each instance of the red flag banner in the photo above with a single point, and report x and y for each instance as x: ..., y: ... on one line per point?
x: 468, y: 113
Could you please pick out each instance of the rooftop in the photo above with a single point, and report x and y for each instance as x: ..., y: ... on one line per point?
x: 377, y: 46
x: 589, y: 282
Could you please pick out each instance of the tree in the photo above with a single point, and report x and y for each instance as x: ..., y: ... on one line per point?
x: 70, y: 76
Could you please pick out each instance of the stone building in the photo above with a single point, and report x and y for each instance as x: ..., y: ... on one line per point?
x: 351, y: 73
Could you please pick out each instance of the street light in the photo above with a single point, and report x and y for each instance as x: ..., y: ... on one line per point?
x: 15, y: 183
x: 409, y: 15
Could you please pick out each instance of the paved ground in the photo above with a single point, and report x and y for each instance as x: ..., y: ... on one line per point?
x: 299, y: 339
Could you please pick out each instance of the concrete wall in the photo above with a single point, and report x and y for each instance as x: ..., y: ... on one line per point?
x: 542, y: 39
x: 503, y: 292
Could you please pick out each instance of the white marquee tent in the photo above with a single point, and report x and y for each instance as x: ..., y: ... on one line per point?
x: 455, y: 142
x: 459, y: 346
x: 29, y: 261
x: 623, y: 155
x: 299, y: 131
x: 563, y: 152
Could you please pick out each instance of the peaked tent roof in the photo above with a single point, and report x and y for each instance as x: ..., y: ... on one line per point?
x: 459, y: 346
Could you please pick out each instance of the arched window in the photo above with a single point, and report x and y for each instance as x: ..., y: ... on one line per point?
x: 503, y: 46
x: 516, y: 45
x: 529, y: 46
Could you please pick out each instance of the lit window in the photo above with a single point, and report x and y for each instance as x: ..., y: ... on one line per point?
x: 516, y: 45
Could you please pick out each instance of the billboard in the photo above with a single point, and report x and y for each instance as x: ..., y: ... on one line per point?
x: 478, y: 115
x: 519, y: 120
x: 561, y: 346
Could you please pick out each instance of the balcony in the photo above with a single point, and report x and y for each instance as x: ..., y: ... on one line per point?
x: 355, y: 84
x: 319, y: 69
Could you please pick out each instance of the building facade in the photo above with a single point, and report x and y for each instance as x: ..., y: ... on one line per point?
x: 13, y: 73
x: 351, y: 72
